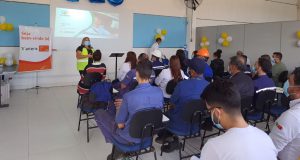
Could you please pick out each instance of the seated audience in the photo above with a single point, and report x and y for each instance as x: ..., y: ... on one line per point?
x: 240, y: 53
x: 143, y: 56
x: 96, y: 66
x: 247, y: 68
x: 172, y: 73
x: 262, y: 66
x: 116, y: 127
x: 241, y: 141
x: 277, y: 68
x: 267, y: 57
x: 286, y: 131
x: 91, y: 74
x: 130, y: 61
x: 204, y: 55
x: 217, y: 65
x: 183, y: 60
x: 242, y: 81
x: 185, y: 91
x: 158, y: 66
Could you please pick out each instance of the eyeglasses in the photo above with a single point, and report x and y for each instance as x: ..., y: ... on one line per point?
x: 212, y: 108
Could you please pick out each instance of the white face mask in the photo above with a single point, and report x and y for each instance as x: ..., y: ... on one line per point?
x: 292, y: 95
x: 217, y: 124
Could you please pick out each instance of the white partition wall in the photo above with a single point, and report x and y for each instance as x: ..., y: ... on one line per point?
x: 257, y: 39
x: 262, y: 39
x: 288, y: 44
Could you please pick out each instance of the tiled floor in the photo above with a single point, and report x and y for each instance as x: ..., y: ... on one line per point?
x: 44, y: 127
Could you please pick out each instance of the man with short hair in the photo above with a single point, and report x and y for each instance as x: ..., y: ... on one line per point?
x: 242, y: 81
x: 157, y: 65
x: 144, y: 96
x: 155, y: 46
x: 286, y: 132
x: 262, y: 66
x: 241, y: 141
x: 203, y: 54
x: 277, y: 68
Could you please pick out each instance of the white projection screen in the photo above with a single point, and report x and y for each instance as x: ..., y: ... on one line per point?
x: 74, y: 23
x: 109, y: 29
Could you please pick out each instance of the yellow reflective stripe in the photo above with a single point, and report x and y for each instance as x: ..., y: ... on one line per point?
x: 83, y: 60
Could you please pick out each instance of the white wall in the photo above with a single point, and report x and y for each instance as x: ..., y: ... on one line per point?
x: 64, y: 62
x: 224, y: 11
x: 232, y: 12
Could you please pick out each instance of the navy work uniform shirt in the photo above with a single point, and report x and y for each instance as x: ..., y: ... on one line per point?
x: 244, y: 84
x: 144, y: 96
x: 262, y: 82
x: 185, y: 91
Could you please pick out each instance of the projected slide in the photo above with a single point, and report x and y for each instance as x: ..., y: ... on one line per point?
x: 73, y: 23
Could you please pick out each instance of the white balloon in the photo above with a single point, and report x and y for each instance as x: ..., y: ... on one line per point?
x: 202, y: 44
x: 2, y: 19
x: 158, y: 31
x: 207, y: 43
x: 229, y: 38
x: 220, y: 40
x: 298, y: 43
x: 162, y: 38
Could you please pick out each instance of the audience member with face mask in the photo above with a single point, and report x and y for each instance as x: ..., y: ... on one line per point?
x: 241, y: 141
x: 286, y: 131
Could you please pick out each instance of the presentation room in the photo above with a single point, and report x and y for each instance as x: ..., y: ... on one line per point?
x: 149, y: 79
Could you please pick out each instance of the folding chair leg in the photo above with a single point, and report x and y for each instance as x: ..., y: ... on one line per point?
x: 202, y: 139
x: 113, y: 152
x: 137, y: 156
x: 155, y: 157
x: 78, y: 101
x: 87, y: 128
x: 180, y: 155
x: 183, y: 146
x: 79, y: 121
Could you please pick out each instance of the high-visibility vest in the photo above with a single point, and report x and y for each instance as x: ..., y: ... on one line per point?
x: 82, y: 63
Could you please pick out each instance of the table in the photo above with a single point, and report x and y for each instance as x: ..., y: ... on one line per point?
x: 5, y: 70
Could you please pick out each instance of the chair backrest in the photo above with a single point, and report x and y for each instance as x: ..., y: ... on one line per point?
x: 283, y: 77
x: 171, y: 86
x: 246, y: 102
x: 143, y: 122
x: 192, y: 111
x: 91, y: 78
x: 264, y: 98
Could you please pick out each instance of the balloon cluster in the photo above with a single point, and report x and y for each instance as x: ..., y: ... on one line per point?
x: 204, y: 42
x: 5, y: 26
x: 225, y: 39
x: 161, y: 33
x: 298, y: 37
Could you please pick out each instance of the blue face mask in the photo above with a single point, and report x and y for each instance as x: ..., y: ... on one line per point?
x: 253, y: 69
x: 218, y: 124
x: 272, y: 61
x: 87, y: 43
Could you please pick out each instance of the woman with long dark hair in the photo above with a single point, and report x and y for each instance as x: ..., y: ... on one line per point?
x: 130, y: 63
x: 217, y: 65
x: 174, y: 72
x: 183, y: 61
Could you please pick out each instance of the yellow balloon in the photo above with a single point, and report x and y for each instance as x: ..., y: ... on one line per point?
x: 164, y: 32
x: 157, y: 36
x: 204, y: 39
x: 10, y: 27
x: 224, y: 35
x: 225, y: 44
x: 3, y: 26
x: 298, y: 34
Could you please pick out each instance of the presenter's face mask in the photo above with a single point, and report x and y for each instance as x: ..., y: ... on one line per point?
x: 87, y: 43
